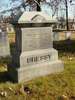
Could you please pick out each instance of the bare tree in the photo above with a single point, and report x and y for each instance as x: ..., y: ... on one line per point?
x: 67, y: 17
x: 35, y: 5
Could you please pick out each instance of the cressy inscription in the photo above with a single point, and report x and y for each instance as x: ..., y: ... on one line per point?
x: 38, y: 58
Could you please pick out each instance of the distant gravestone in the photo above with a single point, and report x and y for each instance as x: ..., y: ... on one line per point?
x: 4, y: 44
x: 68, y: 35
x: 55, y: 36
x: 34, y: 55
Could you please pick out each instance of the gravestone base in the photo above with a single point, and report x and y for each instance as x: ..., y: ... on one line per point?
x: 29, y: 73
x: 47, y: 62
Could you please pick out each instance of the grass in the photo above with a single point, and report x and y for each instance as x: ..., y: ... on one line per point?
x: 60, y: 86
x: 51, y: 87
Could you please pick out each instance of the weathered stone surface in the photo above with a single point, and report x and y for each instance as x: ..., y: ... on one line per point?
x: 35, y: 17
x: 34, y: 55
x: 30, y: 72
x: 34, y: 38
x: 38, y: 56
x: 55, y: 36
x: 4, y: 44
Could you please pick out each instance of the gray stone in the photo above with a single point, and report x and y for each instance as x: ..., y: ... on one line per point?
x: 34, y: 38
x: 35, y: 17
x: 4, y: 44
x: 55, y: 36
x: 34, y: 55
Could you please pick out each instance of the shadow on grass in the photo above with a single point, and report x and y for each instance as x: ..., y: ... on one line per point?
x: 4, y: 77
x: 67, y: 46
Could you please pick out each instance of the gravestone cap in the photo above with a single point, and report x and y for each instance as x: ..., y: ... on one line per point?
x: 35, y: 17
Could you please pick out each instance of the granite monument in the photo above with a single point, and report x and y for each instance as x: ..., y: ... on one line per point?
x: 34, y: 55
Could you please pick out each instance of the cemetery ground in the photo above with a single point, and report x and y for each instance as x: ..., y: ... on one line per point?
x: 60, y: 86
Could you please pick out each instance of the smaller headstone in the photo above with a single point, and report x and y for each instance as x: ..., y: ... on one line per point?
x: 55, y: 36
x: 4, y: 44
x: 68, y: 35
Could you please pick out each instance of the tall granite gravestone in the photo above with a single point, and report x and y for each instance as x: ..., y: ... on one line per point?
x: 34, y: 55
x: 4, y: 44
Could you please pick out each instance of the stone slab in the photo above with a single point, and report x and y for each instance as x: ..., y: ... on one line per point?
x: 24, y: 74
x: 38, y: 56
x: 55, y: 36
x: 29, y: 39
x: 4, y: 45
x: 29, y: 58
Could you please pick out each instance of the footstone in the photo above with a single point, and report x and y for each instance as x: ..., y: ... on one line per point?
x: 34, y: 55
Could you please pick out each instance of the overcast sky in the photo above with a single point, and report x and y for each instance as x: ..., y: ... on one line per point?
x: 6, y: 4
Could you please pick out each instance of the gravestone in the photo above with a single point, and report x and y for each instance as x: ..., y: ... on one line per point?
x: 34, y: 55
x: 68, y: 35
x: 55, y: 36
x: 4, y: 44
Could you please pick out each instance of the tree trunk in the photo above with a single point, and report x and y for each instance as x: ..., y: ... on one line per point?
x: 38, y: 7
x: 66, y: 15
